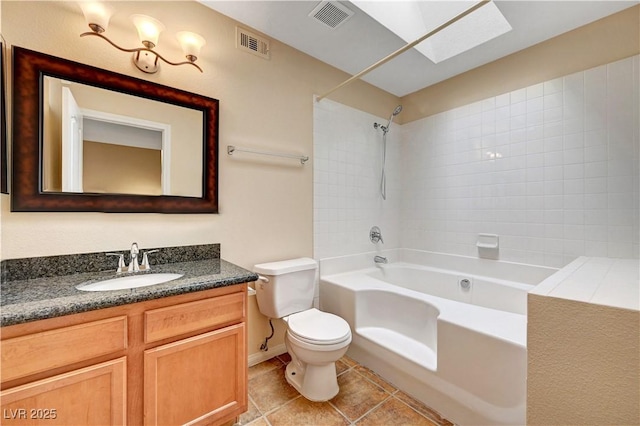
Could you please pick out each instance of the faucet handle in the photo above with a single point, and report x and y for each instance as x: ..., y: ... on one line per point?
x: 120, y: 261
x: 145, y: 259
x: 375, y: 235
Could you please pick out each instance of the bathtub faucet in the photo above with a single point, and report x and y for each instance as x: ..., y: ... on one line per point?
x: 380, y: 259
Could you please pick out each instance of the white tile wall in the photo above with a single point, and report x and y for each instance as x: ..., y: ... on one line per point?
x: 347, y: 169
x: 551, y: 168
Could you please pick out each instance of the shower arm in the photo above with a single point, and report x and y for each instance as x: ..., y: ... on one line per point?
x: 405, y: 48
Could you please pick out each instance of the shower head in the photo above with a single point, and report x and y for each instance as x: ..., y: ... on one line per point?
x: 385, y: 129
x: 395, y: 112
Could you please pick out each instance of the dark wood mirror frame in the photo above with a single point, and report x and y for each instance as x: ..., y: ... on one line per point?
x: 4, y: 187
x: 29, y: 69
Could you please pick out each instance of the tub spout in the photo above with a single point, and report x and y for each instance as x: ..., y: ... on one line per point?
x: 380, y: 259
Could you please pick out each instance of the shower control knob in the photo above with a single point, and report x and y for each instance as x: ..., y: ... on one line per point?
x: 465, y: 284
x: 375, y: 235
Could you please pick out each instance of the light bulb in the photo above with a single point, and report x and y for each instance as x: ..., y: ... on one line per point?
x: 149, y: 29
x: 96, y: 14
x: 191, y: 44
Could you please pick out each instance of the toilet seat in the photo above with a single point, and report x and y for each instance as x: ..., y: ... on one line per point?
x: 318, y: 328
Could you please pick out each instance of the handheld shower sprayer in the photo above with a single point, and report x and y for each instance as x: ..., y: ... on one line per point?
x: 395, y: 112
x: 385, y: 130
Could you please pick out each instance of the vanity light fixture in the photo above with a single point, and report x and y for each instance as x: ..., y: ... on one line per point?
x: 146, y: 59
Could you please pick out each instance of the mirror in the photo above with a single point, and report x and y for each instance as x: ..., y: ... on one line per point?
x: 100, y: 141
x: 87, y: 139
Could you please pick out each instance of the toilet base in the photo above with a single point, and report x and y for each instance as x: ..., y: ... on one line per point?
x: 312, y: 370
x: 316, y: 383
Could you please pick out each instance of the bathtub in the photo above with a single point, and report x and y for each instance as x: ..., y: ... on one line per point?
x: 448, y: 330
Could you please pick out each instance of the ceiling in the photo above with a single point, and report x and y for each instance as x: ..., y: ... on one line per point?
x: 361, y: 41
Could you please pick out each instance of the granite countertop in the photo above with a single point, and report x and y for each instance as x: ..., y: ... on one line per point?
x: 47, y: 297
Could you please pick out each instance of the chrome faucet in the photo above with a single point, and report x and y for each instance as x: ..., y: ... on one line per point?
x: 134, y: 266
x: 375, y: 235
x: 380, y: 259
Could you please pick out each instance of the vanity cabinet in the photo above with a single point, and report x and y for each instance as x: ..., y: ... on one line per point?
x: 183, y: 374
x: 176, y: 360
x: 203, y: 374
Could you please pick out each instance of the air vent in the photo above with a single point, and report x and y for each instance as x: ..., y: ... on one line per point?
x: 252, y: 43
x: 331, y: 13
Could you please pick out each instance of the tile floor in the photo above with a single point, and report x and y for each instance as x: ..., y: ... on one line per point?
x: 365, y: 399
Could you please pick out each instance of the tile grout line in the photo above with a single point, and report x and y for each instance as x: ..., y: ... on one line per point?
x: 273, y: 410
x: 438, y: 422
x: 394, y: 395
x: 389, y: 395
x: 395, y: 389
x: 373, y: 409
x: 266, y: 371
x: 332, y: 405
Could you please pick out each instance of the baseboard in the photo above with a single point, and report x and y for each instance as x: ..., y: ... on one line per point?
x: 261, y: 356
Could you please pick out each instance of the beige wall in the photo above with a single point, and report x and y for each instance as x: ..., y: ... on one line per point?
x: 263, y: 104
x: 606, y: 40
x: 119, y: 169
x: 584, y: 363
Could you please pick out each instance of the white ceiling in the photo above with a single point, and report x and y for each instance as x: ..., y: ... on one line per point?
x: 361, y: 41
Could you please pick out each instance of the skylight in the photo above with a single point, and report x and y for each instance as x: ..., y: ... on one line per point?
x: 411, y: 20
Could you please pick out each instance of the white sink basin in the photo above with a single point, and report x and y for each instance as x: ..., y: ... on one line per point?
x: 130, y: 281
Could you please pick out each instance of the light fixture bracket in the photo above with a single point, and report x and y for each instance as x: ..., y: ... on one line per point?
x: 146, y: 61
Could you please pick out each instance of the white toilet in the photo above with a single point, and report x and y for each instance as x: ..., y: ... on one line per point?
x: 314, y: 339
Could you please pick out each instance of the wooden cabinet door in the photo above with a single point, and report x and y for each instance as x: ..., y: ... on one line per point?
x: 199, y: 380
x: 94, y: 395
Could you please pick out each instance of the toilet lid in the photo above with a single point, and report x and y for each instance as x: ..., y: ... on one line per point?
x: 321, y: 328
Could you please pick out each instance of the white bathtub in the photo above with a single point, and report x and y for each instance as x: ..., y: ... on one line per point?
x: 460, y: 351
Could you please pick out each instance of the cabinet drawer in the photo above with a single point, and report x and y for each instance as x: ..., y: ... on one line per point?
x: 175, y: 320
x: 38, y: 352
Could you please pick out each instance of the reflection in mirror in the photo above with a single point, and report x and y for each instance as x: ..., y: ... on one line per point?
x: 49, y: 174
x: 102, y: 141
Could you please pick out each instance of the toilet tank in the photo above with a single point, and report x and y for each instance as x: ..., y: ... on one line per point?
x: 289, y: 289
